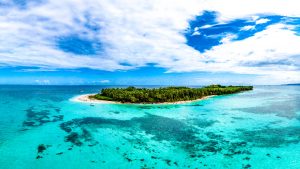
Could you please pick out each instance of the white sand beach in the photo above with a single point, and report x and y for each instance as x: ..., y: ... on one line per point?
x: 85, y: 98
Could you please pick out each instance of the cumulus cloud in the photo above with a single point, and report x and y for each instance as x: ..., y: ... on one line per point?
x: 271, y: 53
x: 136, y: 33
x: 228, y: 38
x: 262, y: 21
x: 246, y: 28
x: 104, y: 81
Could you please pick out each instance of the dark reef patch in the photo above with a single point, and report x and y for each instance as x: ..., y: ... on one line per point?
x: 41, y: 148
x: 286, y: 109
x: 271, y: 137
x: 79, y: 137
x: 203, y: 123
x: 73, y: 138
x: 163, y: 128
x: 197, y: 143
x: 246, y: 166
x: 192, y: 105
x: 38, y: 157
x: 36, y: 118
x: 239, y: 118
x: 116, y: 112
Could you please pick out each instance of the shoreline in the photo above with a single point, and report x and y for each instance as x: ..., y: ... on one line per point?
x: 85, y: 99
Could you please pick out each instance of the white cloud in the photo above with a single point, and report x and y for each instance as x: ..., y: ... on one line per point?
x: 130, y: 33
x: 247, y: 28
x: 228, y: 38
x: 205, y: 26
x: 231, y: 9
x: 104, y: 81
x: 271, y: 53
x: 196, y: 33
x: 140, y: 32
x: 262, y: 21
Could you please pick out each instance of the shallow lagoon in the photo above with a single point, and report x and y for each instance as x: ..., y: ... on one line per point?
x: 41, y: 128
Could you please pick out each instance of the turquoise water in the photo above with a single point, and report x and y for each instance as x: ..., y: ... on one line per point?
x: 256, y: 129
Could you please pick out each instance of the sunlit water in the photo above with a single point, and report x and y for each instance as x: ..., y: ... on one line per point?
x: 256, y: 129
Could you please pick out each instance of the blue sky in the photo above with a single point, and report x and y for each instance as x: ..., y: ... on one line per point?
x: 193, y: 42
x: 141, y: 76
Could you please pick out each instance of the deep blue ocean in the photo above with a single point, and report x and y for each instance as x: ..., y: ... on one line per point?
x: 41, y: 127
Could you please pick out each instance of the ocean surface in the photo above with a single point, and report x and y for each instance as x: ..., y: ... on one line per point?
x: 41, y: 127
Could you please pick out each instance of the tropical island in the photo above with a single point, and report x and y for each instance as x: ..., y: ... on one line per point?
x: 160, y: 95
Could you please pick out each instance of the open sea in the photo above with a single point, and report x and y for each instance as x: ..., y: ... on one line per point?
x: 41, y: 128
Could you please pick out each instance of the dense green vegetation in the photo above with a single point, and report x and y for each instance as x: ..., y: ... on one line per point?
x: 165, y: 94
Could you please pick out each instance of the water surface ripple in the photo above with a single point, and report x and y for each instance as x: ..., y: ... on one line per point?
x: 41, y: 127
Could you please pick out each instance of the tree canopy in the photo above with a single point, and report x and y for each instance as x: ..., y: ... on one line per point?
x: 165, y: 94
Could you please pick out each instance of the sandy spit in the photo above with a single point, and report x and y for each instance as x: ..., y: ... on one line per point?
x: 86, y: 99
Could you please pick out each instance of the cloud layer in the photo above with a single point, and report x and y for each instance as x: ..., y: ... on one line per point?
x: 249, y: 37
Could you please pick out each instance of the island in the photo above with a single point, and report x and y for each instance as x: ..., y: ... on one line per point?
x: 159, y: 95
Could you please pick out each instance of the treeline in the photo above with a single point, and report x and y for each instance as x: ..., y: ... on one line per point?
x: 165, y: 94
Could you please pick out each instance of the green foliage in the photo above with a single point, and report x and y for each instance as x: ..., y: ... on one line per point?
x: 101, y: 97
x: 166, y: 94
x: 215, y: 86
